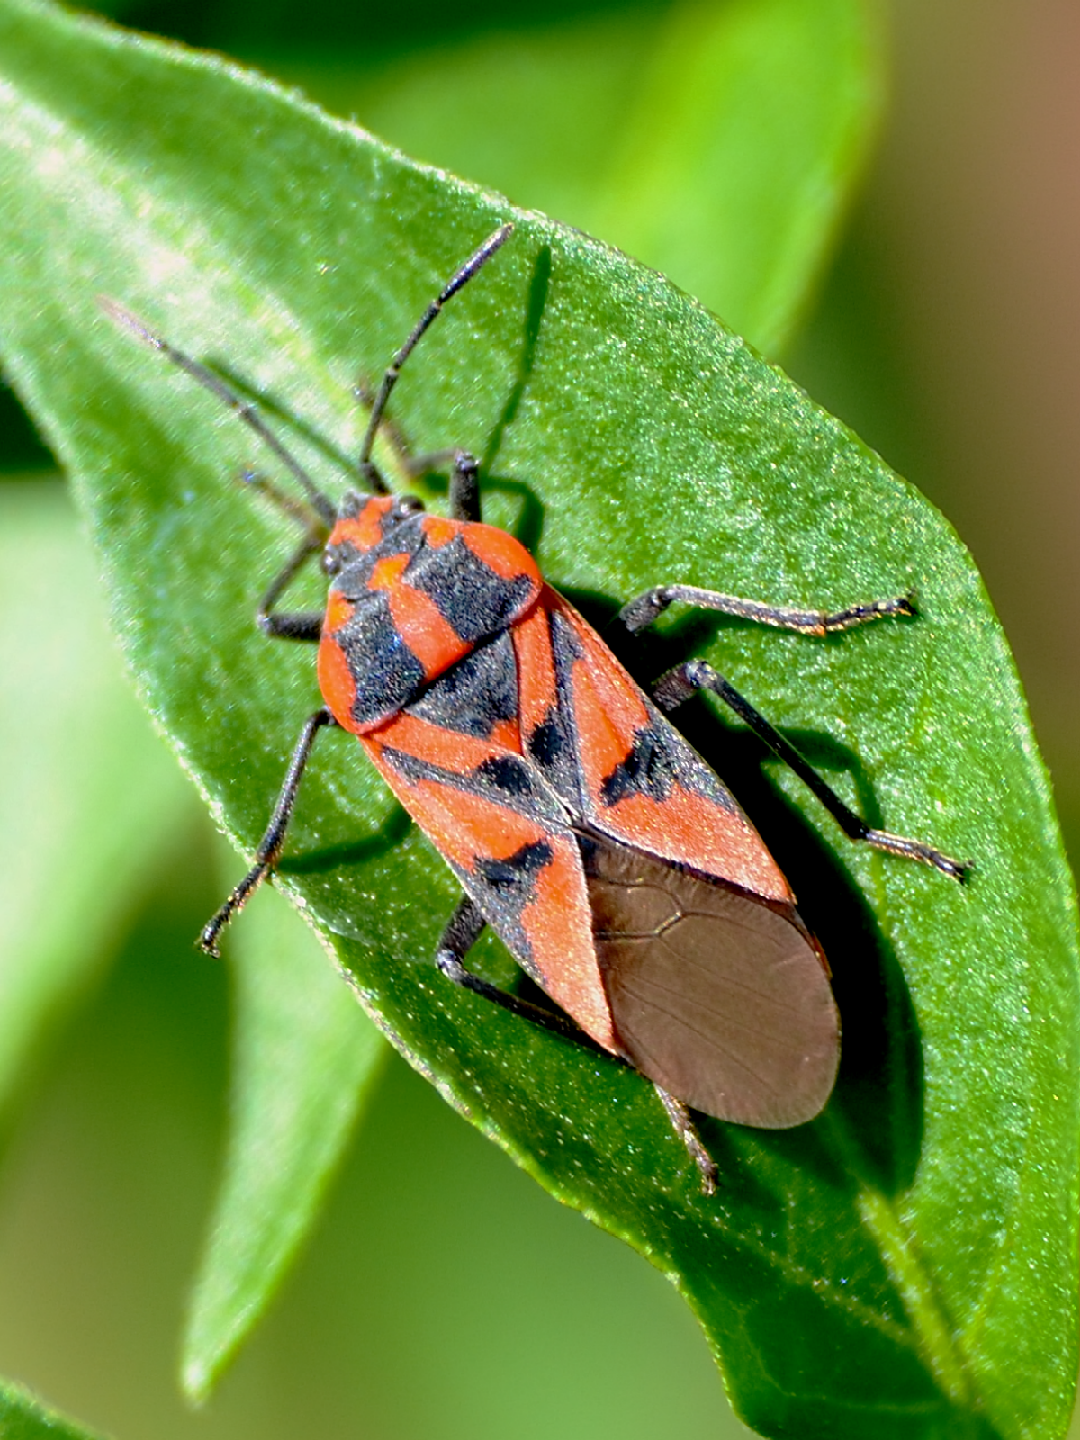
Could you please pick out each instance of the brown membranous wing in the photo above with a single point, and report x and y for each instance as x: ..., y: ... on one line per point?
x: 719, y: 997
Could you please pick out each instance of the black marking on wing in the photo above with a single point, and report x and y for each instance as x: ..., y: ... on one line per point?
x: 502, y: 889
x: 548, y: 744
x: 507, y: 780
x: 553, y: 743
x: 651, y: 768
x: 513, y: 880
x: 477, y: 693
x: 507, y: 774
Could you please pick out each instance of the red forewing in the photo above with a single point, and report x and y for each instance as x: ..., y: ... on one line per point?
x: 618, y: 869
x: 641, y: 783
x: 510, y: 843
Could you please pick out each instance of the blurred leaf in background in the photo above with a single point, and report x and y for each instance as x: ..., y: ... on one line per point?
x: 22, y: 1418
x: 620, y: 68
x: 91, y: 803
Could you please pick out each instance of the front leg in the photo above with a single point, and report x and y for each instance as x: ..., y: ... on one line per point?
x: 292, y: 626
x: 266, y: 856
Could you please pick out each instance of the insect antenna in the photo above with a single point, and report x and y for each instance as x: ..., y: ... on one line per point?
x: 244, y: 410
x: 474, y: 263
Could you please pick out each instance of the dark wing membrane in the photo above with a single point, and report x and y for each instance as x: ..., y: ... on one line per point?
x: 721, y: 999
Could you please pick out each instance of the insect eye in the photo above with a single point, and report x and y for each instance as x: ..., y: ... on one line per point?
x: 330, y: 563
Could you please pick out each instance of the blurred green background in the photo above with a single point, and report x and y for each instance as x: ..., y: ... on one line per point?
x: 444, y: 1294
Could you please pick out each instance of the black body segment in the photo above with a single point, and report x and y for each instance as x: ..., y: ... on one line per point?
x: 475, y: 601
x: 386, y: 671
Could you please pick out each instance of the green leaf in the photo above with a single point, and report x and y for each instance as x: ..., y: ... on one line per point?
x: 718, y: 143
x: 305, y: 1057
x: 90, y: 800
x: 906, y: 1264
x: 23, y: 1417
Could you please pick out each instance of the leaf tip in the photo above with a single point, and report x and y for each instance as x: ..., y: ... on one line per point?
x: 196, y: 1381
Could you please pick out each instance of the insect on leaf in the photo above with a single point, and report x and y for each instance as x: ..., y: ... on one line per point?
x: 906, y: 1263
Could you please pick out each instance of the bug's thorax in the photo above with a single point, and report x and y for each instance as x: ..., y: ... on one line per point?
x: 411, y: 594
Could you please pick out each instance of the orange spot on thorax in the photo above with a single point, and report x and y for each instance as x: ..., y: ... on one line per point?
x: 417, y: 619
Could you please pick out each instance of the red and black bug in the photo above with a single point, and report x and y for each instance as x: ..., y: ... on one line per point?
x: 618, y: 869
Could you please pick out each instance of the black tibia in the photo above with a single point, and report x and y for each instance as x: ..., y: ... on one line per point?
x: 295, y: 626
x: 292, y: 626
x: 306, y: 626
x: 460, y: 935
x: 646, y: 608
x: 685, y: 680
x: 464, y: 488
x: 683, y: 1126
x: 266, y: 856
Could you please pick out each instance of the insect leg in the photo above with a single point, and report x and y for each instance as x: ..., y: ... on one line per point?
x: 648, y: 607
x: 685, y: 680
x: 266, y: 856
x: 464, y: 485
x: 460, y: 935
x: 465, y: 488
x: 683, y: 1126
x: 306, y: 625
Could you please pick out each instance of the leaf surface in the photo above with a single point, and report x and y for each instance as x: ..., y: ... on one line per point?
x: 718, y: 143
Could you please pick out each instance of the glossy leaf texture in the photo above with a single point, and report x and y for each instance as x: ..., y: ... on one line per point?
x: 716, y: 142
x: 904, y: 1265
